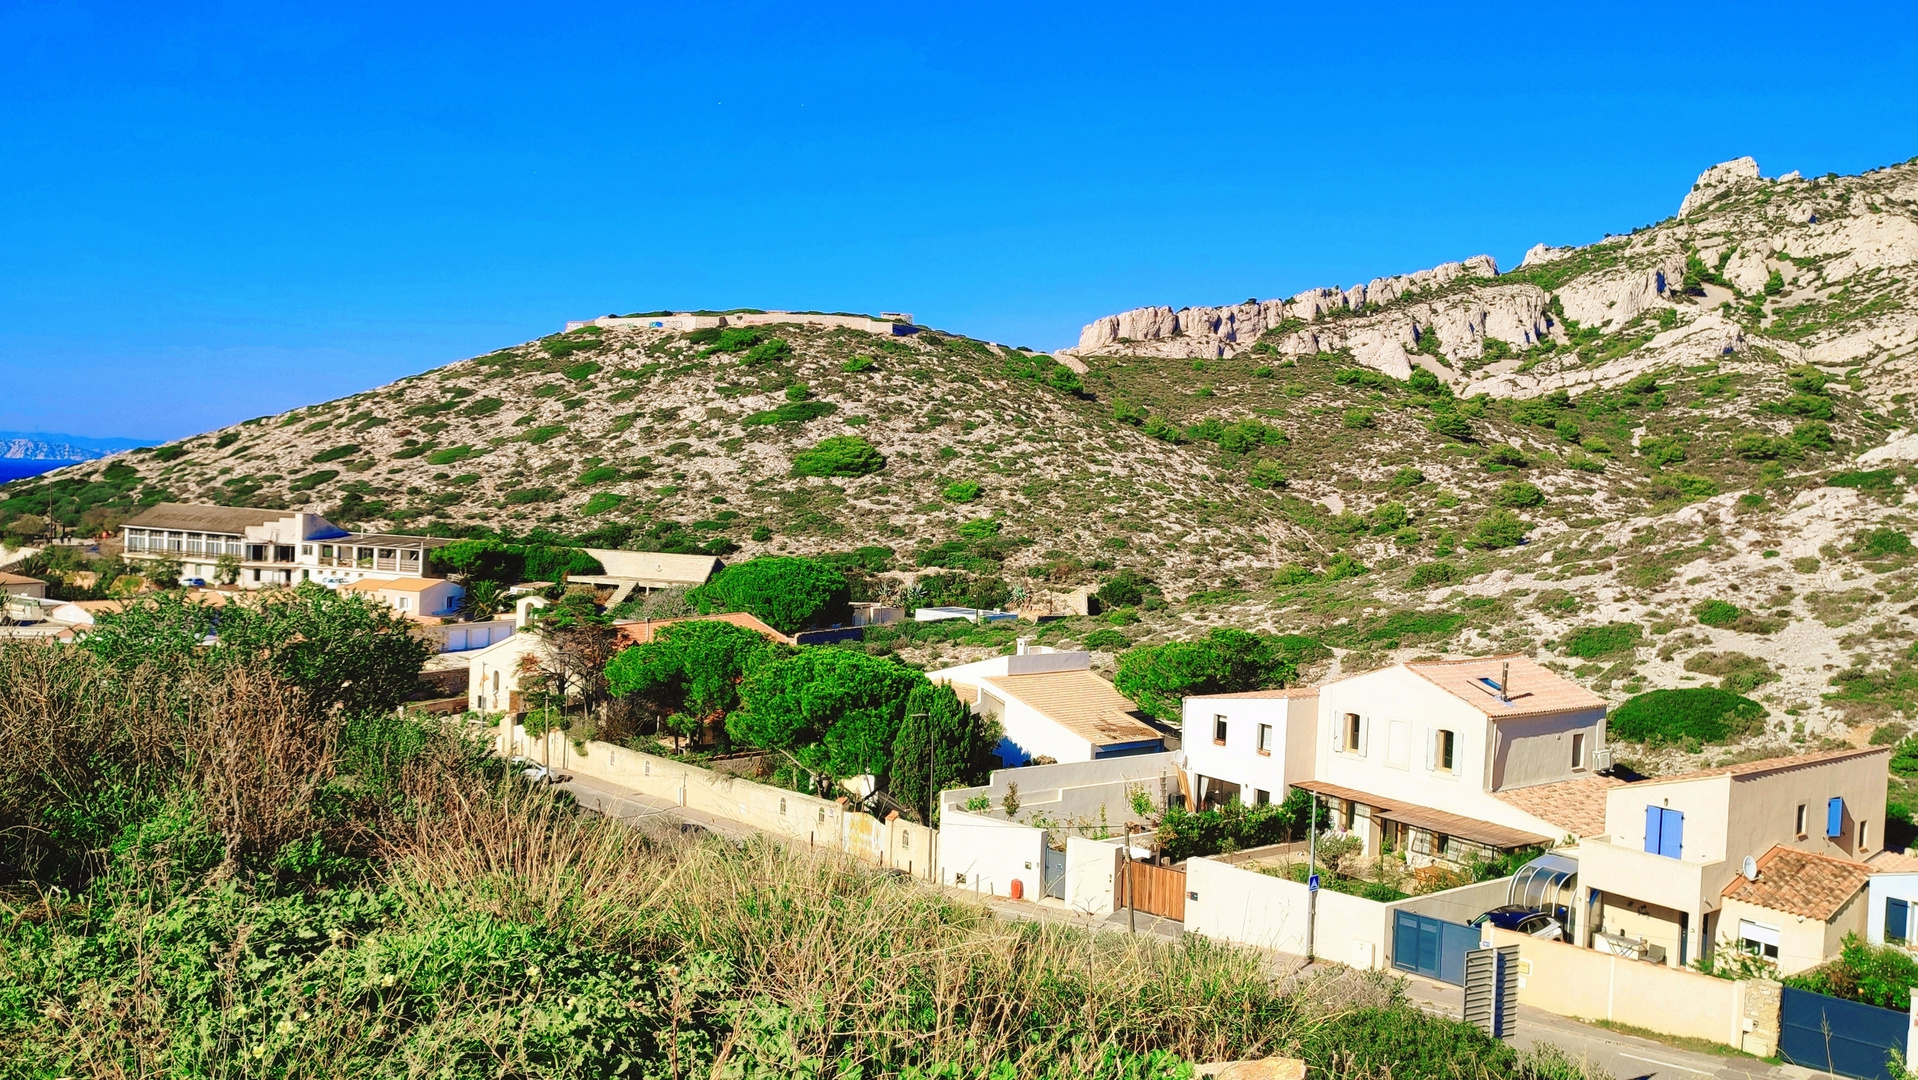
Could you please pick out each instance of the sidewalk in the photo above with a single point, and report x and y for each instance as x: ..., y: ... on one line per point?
x: 1626, y: 1057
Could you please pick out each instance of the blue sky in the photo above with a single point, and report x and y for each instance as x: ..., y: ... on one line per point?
x: 211, y: 212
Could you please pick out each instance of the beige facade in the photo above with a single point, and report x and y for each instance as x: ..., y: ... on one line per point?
x: 1670, y: 895
x: 1802, y: 942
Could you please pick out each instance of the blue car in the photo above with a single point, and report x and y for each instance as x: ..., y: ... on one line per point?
x: 1523, y: 920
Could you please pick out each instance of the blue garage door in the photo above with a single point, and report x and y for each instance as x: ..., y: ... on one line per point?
x: 1431, y: 947
x: 1830, y: 1034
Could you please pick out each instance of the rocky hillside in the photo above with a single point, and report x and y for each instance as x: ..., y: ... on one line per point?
x: 1571, y: 457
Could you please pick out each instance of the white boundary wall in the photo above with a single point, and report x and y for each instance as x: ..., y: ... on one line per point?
x: 988, y: 854
x: 896, y: 844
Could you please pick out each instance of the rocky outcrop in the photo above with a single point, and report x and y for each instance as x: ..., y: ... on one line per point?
x: 1543, y: 253
x: 1222, y: 331
x: 1716, y: 180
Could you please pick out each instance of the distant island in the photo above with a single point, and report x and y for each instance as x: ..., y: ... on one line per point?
x: 30, y: 453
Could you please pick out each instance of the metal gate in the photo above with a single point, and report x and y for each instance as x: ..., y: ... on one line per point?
x: 1431, y: 947
x: 1155, y: 890
x: 1849, y: 1038
x: 1055, y: 873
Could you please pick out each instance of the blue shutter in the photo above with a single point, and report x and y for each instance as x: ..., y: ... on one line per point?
x: 1652, y: 816
x: 1897, y: 914
x: 1671, y: 835
x: 1835, y: 817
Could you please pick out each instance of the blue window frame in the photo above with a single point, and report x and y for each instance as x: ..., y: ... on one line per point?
x: 1664, y: 832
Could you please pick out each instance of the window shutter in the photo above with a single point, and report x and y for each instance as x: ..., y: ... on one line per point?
x: 1897, y: 914
x: 1835, y: 817
x: 1431, y: 749
x: 1365, y: 732
x: 1671, y: 835
x: 1653, y: 818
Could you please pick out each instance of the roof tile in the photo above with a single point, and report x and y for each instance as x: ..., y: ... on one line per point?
x: 1800, y: 883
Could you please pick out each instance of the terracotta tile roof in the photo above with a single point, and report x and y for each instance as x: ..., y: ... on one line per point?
x: 1577, y: 806
x: 1286, y: 692
x: 1893, y: 862
x: 1080, y: 702
x: 193, y: 517
x: 1766, y: 766
x: 405, y: 584
x: 641, y: 631
x: 1426, y: 817
x: 1800, y: 883
x: 1534, y: 690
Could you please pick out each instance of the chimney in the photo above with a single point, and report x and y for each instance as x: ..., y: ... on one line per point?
x: 1025, y: 646
x: 1505, y: 682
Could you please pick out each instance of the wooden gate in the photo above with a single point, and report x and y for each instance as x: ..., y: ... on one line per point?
x: 1155, y: 890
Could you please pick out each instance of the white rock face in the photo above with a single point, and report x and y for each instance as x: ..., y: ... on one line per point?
x: 1543, y: 253
x: 1715, y: 180
x: 1222, y: 331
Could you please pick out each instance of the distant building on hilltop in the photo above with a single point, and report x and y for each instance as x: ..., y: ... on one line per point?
x: 890, y: 324
x: 275, y: 547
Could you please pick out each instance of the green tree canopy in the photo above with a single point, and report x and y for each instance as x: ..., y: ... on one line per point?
x: 787, y: 594
x: 693, y: 668
x: 340, y: 647
x: 833, y: 711
x: 1225, y: 661
x: 940, y: 727
x: 510, y: 564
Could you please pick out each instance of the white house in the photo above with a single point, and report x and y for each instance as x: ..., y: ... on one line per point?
x: 1455, y: 758
x: 274, y: 547
x: 1050, y: 705
x: 1250, y: 747
x: 412, y: 597
x: 1891, y: 896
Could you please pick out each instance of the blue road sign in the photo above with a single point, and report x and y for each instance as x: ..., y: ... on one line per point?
x: 1312, y: 883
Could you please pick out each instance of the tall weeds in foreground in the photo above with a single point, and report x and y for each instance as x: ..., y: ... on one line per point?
x: 285, y: 894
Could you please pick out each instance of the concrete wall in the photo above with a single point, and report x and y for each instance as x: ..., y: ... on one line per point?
x: 1078, y: 790
x: 1884, y: 887
x: 896, y: 844
x: 1589, y: 985
x: 988, y: 854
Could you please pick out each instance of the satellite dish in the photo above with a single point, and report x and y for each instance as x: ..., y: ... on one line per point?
x: 1750, y: 868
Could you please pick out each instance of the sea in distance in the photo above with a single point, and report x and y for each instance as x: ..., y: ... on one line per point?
x: 21, y: 468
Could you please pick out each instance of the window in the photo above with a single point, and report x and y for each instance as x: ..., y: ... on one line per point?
x: 822, y: 815
x: 1665, y: 832
x: 1897, y: 919
x: 1864, y: 837
x: 1218, y: 730
x: 1265, y: 739
x: 1758, y: 939
x: 1441, y: 751
x: 1578, y: 749
x: 403, y: 602
x: 782, y: 808
x: 1835, y: 818
x: 1354, y: 732
x: 1802, y: 815
x: 1261, y: 797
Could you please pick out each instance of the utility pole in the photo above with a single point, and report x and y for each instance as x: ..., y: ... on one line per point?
x: 1311, y: 876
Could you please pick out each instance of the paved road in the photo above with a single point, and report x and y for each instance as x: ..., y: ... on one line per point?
x: 1626, y: 1057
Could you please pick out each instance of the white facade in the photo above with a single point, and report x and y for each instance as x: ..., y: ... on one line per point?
x: 1249, y: 747
x: 1885, y: 894
x: 274, y: 547
x: 988, y: 854
x: 1396, y: 733
x: 1049, y: 704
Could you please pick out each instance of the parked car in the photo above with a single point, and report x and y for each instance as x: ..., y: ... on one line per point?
x: 537, y: 773
x: 1524, y: 920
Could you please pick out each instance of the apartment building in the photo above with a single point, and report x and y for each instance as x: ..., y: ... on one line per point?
x: 274, y: 547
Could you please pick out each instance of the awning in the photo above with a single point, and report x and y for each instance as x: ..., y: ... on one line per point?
x: 1424, y: 817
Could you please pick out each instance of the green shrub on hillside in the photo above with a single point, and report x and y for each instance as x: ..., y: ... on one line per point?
x: 840, y: 455
x: 510, y: 564
x: 1717, y: 613
x: 1498, y: 529
x: 1266, y: 475
x: 601, y: 503
x: 1703, y: 714
x: 787, y: 594
x: 1737, y: 672
x: 962, y: 491
x: 1451, y: 425
x: 449, y: 455
x: 1359, y: 419
x: 1883, y: 542
x: 1431, y: 574
x: 1518, y: 494
x: 312, y: 480
x: 791, y: 412
x: 1592, y: 642
x: 336, y: 453
x: 858, y: 364
x: 1107, y: 639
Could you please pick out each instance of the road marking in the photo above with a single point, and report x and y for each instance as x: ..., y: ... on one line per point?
x: 1666, y: 1064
